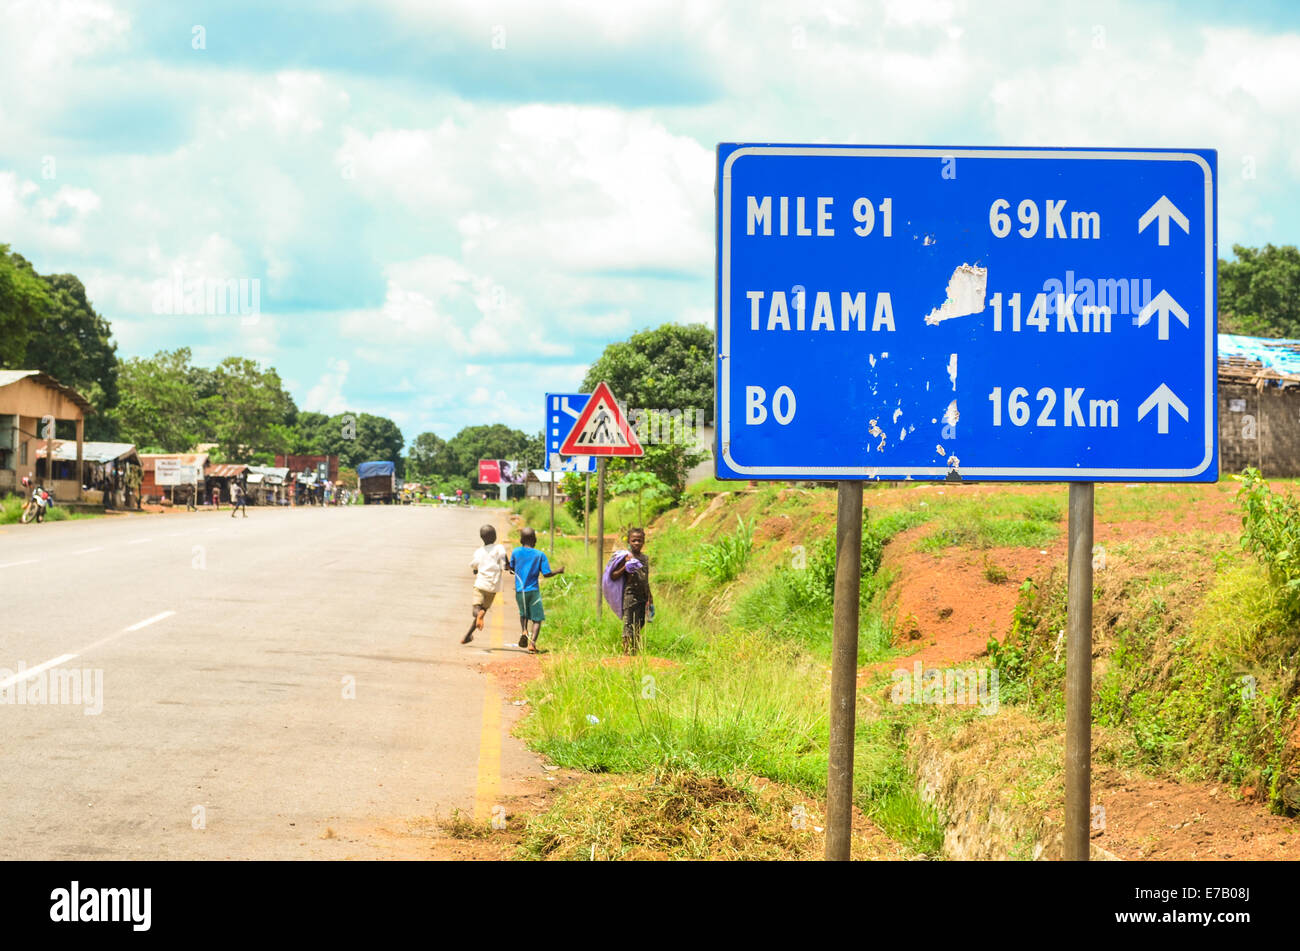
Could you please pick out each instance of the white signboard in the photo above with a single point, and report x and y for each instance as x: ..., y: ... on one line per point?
x: 171, y: 472
x: 166, y: 471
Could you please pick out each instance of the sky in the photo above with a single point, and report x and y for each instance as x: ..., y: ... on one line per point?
x: 447, y: 209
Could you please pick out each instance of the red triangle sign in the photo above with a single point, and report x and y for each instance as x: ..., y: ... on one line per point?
x: 601, y: 429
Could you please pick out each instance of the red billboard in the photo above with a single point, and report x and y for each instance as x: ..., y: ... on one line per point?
x: 489, y: 471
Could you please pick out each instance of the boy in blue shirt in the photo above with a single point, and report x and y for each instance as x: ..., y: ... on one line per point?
x: 529, y: 564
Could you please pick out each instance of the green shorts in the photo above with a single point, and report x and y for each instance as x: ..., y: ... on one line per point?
x: 530, y: 605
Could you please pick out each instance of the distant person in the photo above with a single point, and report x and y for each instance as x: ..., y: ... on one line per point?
x: 216, y: 497
x: 238, y: 499
x: 488, y: 565
x: 190, y: 493
x: 528, y: 564
x: 635, y: 570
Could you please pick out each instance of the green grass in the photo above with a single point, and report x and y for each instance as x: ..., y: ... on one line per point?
x: 11, y: 509
x: 744, y: 690
x: 996, y: 522
x: 536, y: 514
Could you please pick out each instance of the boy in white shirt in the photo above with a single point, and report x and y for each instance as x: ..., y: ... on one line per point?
x: 488, y: 563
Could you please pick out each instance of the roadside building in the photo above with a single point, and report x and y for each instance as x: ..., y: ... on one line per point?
x: 326, y: 468
x: 1259, y: 405
x: 107, y: 469
x: 537, y: 485
x: 26, y: 398
x: 221, y: 477
x: 268, y: 485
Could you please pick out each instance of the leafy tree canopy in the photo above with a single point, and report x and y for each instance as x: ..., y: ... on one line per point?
x: 670, y: 367
x: 1259, y: 292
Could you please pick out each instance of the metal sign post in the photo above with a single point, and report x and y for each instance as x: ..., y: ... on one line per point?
x: 552, y: 475
x: 586, y: 514
x: 844, y: 670
x: 965, y: 314
x: 1078, y: 675
x: 600, y: 534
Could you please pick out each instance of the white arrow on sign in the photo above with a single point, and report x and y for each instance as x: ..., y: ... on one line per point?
x: 1163, y: 305
x: 1162, y: 211
x: 1162, y: 398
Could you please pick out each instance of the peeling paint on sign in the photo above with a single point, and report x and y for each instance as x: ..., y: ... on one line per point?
x: 966, y: 293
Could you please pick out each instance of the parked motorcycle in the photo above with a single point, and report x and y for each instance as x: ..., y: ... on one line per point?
x: 37, y: 505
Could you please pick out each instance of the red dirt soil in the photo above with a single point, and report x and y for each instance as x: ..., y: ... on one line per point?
x: 944, y: 605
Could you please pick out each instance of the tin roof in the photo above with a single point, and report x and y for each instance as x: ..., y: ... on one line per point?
x: 1258, y: 359
x: 272, y: 475
x: 226, y: 470
x: 65, y: 450
x: 13, y: 376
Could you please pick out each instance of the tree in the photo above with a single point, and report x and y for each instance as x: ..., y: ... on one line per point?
x: 254, y: 409
x: 646, y: 485
x: 74, y: 344
x: 1259, y: 293
x: 159, y: 409
x: 431, y: 456
x: 24, y: 299
x: 670, y: 367
x: 360, y: 437
x: 495, y: 441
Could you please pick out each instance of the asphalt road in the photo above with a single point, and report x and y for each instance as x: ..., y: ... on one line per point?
x: 290, y: 685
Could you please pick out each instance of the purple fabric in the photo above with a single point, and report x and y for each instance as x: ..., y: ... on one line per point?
x: 613, y: 587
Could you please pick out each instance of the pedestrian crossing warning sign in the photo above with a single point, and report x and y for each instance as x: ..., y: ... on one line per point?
x: 601, y: 430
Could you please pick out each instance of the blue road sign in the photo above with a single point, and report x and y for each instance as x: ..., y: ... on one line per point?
x: 973, y: 313
x: 562, y: 411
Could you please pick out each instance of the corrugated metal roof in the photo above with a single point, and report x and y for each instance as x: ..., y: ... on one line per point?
x: 226, y: 470
x: 65, y: 450
x: 273, y: 475
x: 13, y: 376
x: 1258, y: 359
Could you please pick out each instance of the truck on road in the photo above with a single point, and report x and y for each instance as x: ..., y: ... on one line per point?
x: 378, y: 482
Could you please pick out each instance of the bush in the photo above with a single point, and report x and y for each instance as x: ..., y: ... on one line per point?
x: 724, y: 560
x: 1271, y: 531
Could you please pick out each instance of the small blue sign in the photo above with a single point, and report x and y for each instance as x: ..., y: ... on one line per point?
x: 966, y: 313
x: 562, y: 411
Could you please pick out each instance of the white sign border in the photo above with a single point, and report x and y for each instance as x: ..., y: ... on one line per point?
x: 1075, y: 474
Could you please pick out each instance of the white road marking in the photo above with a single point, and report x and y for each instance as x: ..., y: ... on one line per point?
x: 149, y: 620
x: 140, y: 541
x: 14, y: 564
x: 87, y: 551
x: 33, y: 671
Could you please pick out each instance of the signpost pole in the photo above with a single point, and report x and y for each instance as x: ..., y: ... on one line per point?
x: 600, y: 533
x: 586, y: 514
x: 1078, y: 675
x: 552, y: 514
x: 844, y: 670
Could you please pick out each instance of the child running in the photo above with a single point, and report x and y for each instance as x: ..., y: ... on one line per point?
x: 528, y: 564
x: 487, y: 565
